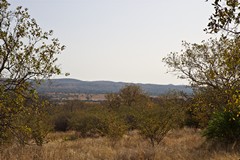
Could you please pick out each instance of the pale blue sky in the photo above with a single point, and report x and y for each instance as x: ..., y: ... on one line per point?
x: 120, y: 40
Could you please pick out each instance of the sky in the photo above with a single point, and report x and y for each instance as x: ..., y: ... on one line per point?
x: 120, y: 40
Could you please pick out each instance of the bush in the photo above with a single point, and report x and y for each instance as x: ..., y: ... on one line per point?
x: 25, y: 127
x: 224, y: 127
x: 88, y: 124
x: 154, y: 123
x: 128, y: 116
x: 191, y: 119
x: 98, y: 122
x: 116, y: 126
x: 61, y: 122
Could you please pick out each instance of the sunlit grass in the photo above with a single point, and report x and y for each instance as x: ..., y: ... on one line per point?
x: 178, y: 144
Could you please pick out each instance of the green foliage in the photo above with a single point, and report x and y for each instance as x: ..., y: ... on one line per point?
x: 191, y: 120
x: 207, y: 100
x: 126, y: 101
x: 61, y: 122
x: 225, y: 17
x: 98, y: 122
x: 27, y: 55
x: 132, y: 95
x: 154, y: 123
x: 116, y: 126
x: 212, y: 69
x: 88, y: 124
x: 224, y: 127
x: 128, y: 114
x: 113, y: 101
x: 214, y: 63
x: 151, y: 125
x: 153, y: 119
x: 22, y: 125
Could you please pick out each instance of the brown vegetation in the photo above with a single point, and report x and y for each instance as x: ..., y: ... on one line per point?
x: 178, y: 144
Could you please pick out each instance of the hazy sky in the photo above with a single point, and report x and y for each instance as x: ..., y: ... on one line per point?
x: 120, y: 40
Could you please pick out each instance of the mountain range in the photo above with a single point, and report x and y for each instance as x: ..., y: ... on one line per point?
x: 103, y: 87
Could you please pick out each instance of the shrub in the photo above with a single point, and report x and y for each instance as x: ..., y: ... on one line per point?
x: 113, y: 101
x: 27, y: 127
x: 88, y: 124
x: 128, y: 116
x: 116, y: 126
x: 61, y: 122
x: 154, y: 123
x: 224, y: 127
x: 191, y: 119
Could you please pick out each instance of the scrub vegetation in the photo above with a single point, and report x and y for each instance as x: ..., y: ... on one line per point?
x: 129, y: 124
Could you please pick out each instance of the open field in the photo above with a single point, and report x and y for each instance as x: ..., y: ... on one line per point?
x: 179, y: 144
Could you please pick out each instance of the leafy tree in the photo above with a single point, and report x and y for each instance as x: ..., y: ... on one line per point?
x: 212, y: 68
x: 27, y: 55
x: 113, y: 100
x: 155, y: 122
x: 205, y: 102
x: 132, y: 95
x: 126, y: 101
x: 214, y: 63
x: 225, y: 18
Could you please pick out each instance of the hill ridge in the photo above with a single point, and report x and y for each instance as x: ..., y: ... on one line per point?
x: 70, y: 85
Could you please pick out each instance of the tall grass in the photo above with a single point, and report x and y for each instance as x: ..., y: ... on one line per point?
x: 184, y: 144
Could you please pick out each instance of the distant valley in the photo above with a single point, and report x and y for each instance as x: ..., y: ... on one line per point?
x: 90, y: 90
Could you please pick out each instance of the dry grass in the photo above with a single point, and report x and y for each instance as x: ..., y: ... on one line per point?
x: 179, y: 144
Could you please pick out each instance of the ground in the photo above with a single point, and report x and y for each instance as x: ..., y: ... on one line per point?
x: 181, y: 144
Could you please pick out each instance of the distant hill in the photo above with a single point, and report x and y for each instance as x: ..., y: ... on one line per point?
x: 102, y: 87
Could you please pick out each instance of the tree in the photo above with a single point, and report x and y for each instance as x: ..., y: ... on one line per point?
x: 156, y: 121
x: 214, y: 63
x: 132, y: 95
x: 113, y: 100
x: 205, y: 102
x: 212, y: 68
x: 225, y: 18
x: 129, y: 95
x: 27, y: 55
